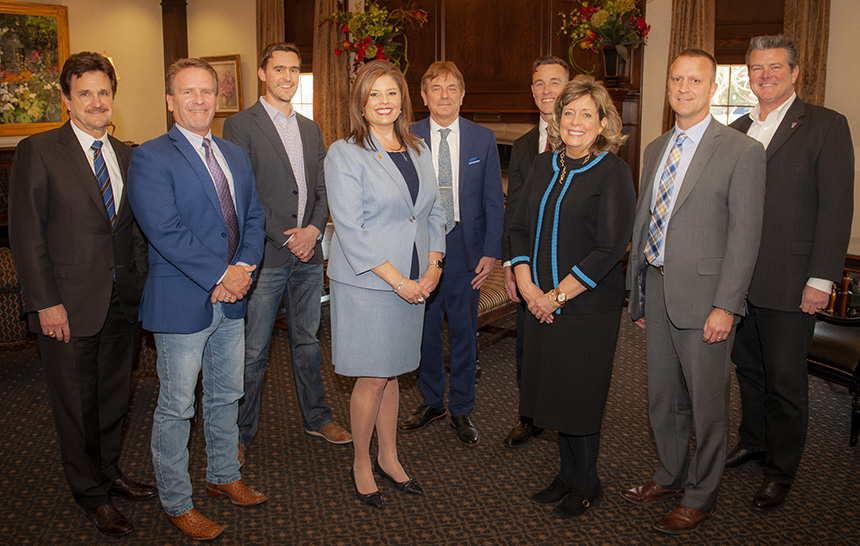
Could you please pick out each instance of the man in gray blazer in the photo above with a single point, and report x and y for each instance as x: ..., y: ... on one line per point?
x: 807, y: 225
x: 695, y: 239
x: 287, y: 153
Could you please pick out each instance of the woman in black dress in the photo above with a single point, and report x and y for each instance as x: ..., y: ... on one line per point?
x: 568, y: 239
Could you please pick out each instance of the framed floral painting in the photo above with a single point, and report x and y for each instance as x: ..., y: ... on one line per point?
x: 229, y: 70
x: 34, y: 44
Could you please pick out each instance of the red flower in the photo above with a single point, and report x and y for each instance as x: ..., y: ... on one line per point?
x: 381, y: 54
x: 345, y: 29
x: 337, y: 52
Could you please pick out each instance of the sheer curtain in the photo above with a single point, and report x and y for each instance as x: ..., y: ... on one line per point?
x: 807, y: 22
x: 693, y: 26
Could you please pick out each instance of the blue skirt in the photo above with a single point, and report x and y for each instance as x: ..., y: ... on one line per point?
x: 374, y: 333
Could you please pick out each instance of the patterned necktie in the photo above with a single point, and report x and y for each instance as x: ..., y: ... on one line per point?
x: 103, y: 177
x: 547, y: 147
x: 224, y: 198
x: 446, y: 180
x: 656, y: 228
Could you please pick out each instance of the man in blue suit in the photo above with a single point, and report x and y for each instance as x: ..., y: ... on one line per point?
x: 196, y: 202
x: 470, y: 183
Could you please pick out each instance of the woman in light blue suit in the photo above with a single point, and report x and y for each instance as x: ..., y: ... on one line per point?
x: 386, y: 258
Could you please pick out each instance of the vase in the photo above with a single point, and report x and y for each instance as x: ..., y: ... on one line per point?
x: 612, y: 66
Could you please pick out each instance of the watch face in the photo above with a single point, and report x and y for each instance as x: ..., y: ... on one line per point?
x: 561, y: 297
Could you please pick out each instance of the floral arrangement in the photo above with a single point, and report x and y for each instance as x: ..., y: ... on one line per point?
x: 603, y: 24
x: 30, y: 92
x: 372, y: 34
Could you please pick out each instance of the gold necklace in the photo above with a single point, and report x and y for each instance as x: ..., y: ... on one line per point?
x: 563, y: 167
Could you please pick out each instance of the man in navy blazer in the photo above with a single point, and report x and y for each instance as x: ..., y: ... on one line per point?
x: 807, y: 225
x: 196, y: 202
x: 287, y: 154
x: 469, y: 160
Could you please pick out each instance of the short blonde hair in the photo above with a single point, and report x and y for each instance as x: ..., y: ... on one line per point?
x: 610, y: 138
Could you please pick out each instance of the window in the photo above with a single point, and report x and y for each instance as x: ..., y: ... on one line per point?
x: 733, y: 97
x: 303, y: 101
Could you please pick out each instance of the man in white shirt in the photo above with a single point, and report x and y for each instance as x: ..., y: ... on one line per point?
x: 807, y: 225
x: 470, y: 183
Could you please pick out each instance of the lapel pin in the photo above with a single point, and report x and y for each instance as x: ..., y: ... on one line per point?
x: 793, y: 124
x: 380, y: 156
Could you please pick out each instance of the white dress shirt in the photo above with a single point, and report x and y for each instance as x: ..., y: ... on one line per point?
x: 111, y: 162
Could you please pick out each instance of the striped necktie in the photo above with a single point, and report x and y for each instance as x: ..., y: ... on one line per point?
x: 228, y: 209
x: 103, y: 178
x: 660, y: 215
x: 446, y: 180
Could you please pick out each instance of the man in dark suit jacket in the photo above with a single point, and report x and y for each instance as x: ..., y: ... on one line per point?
x: 807, y: 224
x: 287, y: 153
x: 82, y: 260
x: 474, y: 205
x: 196, y: 202
x: 549, y: 76
x: 695, y: 240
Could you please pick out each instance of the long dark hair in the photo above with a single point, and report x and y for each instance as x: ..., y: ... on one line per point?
x: 358, y: 126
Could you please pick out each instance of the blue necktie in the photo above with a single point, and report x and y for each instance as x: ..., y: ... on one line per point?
x: 656, y: 228
x: 104, y: 180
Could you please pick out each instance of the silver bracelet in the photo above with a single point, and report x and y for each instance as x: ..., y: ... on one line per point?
x: 400, y: 284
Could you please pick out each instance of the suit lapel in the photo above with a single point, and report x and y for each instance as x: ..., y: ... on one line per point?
x: 649, y: 168
x: 792, y: 121
x: 75, y: 157
x: 533, y: 141
x: 704, y: 151
x: 234, y: 163
x: 194, y: 161
x: 267, y: 127
x: 123, y: 160
x: 466, y: 140
x: 381, y: 157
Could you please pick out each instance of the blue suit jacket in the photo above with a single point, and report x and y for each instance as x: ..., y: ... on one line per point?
x: 482, y: 208
x: 374, y: 218
x: 174, y: 200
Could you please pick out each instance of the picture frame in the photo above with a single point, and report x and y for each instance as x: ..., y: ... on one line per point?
x: 34, y: 44
x: 229, y: 70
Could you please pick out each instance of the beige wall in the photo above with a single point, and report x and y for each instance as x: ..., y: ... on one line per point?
x: 130, y: 32
x: 843, y: 79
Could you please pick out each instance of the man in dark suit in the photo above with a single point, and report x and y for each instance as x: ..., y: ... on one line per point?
x: 807, y: 224
x: 549, y: 76
x: 287, y: 153
x: 695, y: 240
x: 470, y: 182
x: 82, y: 260
x: 196, y: 202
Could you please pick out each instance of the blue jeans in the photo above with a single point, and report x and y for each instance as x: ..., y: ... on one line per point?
x: 218, y: 350
x: 300, y: 285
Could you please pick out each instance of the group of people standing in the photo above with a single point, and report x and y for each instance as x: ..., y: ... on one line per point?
x: 738, y: 238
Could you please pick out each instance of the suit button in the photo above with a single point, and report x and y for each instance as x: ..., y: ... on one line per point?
x: 224, y: 235
x: 412, y: 219
x: 295, y: 192
x: 294, y: 216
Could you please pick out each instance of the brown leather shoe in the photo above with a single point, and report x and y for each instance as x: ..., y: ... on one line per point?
x: 238, y: 493
x: 648, y: 493
x: 241, y: 454
x: 108, y: 520
x: 682, y: 520
x: 195, y: 526
x: 132, y: 490
x: 333, y: 433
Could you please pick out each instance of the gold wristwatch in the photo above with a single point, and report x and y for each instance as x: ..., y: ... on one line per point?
x: 437, y: 263
x: 558, y: 297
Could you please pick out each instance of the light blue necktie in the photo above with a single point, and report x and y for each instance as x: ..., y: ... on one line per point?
x: 103, y: 177
x: 446, y: 180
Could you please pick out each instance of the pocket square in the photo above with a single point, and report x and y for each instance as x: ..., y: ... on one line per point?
x: 474, y: 160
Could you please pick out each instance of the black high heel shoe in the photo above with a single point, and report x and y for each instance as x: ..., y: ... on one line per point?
x: 410, y: 486
x: 575, y: 503
x: 373, y: 499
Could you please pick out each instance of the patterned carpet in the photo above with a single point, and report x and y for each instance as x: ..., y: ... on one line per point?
x: 475, y: 496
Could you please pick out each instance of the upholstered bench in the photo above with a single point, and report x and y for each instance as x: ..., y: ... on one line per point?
x: 834, y: 356
x: 13, y: 327
x: 494, y: 304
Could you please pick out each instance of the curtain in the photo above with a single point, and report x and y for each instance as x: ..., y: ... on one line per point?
x: 270, y: 28
x: 807, y: 22
x: 331, y: 81
x: 693, y: 26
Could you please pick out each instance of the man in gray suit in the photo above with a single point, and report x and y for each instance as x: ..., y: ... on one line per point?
x: 807, y: 224
x: 695, y: 240
x: 287, y: 153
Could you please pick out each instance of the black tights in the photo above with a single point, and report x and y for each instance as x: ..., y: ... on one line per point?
x: 579, y: 461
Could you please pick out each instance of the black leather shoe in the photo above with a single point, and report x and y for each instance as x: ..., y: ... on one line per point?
x: 576, y: 504
x: 770, y: 495
x: 466, y: 431
x: 374, y: 500
x: 522, y: 433
x: 741, y: 455
x: 132, y: 490
x: 556, y: 491
x: 409, y: 486
x: 108, y: 520
x: 422, y: 417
